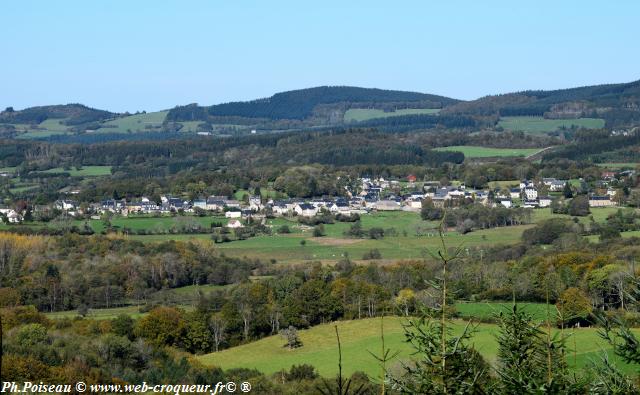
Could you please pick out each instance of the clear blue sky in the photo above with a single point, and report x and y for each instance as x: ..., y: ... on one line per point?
x: 151, y: 55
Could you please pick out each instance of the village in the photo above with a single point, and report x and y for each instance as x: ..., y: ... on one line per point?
x: 369, y: 195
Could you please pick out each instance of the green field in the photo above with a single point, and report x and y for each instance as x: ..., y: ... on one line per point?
x: 134, y: 123
x: 286, y: 248
x: 503, y: 184
x: 190, y: 126
x: 364, y: 114
x: 360, y: 337
x: 84, y: 171
x: 266, y: 193
x: 413, y: 236
x: 47, y: 128
x: 37, y: 134
x: 488, y: 310
x: 633, y: 233
x: 486, y: 152
x: 99, y: 314
x: 541, y: 125
x: 155, y: 224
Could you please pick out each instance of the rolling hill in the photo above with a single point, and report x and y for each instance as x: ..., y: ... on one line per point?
x: 616, y: 103
x: 72, y: 114
x: 534, y: 111
x: 303, y: 103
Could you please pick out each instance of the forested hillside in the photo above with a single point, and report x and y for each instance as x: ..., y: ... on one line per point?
x: 617, y: 103
x: 72, y: 114
x: 299, y: 104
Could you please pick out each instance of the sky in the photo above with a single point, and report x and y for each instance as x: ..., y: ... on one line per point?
x: 152, y: 55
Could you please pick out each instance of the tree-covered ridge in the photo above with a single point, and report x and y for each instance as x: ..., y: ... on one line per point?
x: 557, y: 103
x: 299, y: 104
x: 73, y: 114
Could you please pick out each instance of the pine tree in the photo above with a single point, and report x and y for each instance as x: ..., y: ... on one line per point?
x: 444, y: 363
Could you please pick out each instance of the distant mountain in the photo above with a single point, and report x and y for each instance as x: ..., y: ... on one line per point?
x: 72, y: 114
x: 304, y: 103
x: 331, y: 106
x: 612, y: 100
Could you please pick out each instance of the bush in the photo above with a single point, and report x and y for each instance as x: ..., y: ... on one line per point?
x: 291, y: 335
x: 372, y: 254
x: 32, y: 334
x: 318, y: 231
x: 284, y: 229
x: 548, y: 231
x: 301, y: 372
x: 376, y: 233
x: 355, y: 230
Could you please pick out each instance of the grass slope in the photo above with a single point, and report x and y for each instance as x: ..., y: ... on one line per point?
x: 134, y: 123
x: 364, y: 114
x: 99, y: 314
x: 360, y: 337
x: 541, y: 125
x: 84, y: 171
x: 486, y: 152
x: 413, y: 238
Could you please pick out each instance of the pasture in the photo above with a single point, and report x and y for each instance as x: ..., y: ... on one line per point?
x: 84, y: 171
x: 98, y: 314
x: 47, y: 128
x: 159, y: 224
x: 408, y: 237
x: 365, y: 114
x: 134, y: 123
x: 360, y: 337
x: 542, y: 125
x: 488, y: 152
x: 489, y: 310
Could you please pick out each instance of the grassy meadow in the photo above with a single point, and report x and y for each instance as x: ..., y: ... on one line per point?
x: 134, y: 123
x: 360, y: 337
x: 412, y: 239
x: 160, y: 224
x: 98, y: 314
x: 84, y: 171
x: 542, y: 125
x: 487, y: 152
x: 364, y: 114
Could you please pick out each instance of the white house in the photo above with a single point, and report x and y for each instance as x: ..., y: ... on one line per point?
x: 387, y: 205
x: 255, y: 203
x: 12, y: 216
x: 214, y: 203
x: 66, y: 205
x: 340, y: 206
x: 200, y: 203
x: 305, y: 210
x: 544, y: 201
x: 232, y: 203
x: 600, y: 201
x: 506, y: 202
x: 233, y: 214
x: 415, y: 204
x: 280, y: 208
x: 530, y: 193
x: 525, y: 183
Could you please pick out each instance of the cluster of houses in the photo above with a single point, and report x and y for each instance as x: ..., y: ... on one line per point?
x: 370, y: 195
